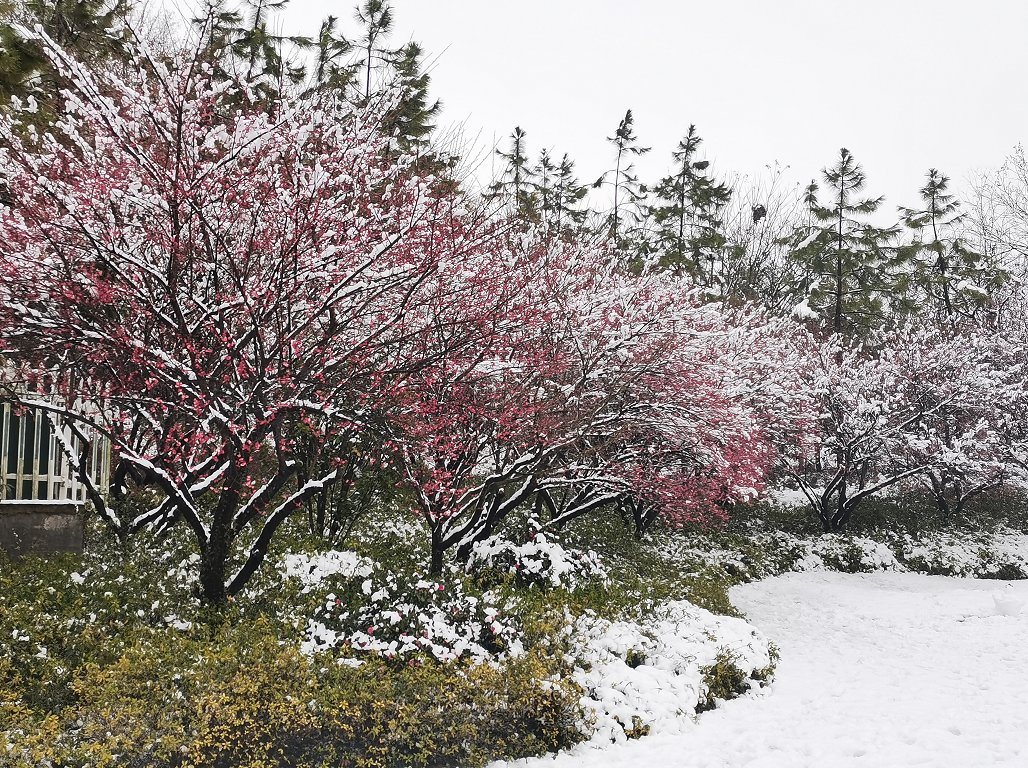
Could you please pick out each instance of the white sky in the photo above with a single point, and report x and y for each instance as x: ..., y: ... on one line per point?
x: 905, y: 85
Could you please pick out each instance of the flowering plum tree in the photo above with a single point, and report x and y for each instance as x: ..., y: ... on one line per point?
x: 227, y: 281
x: 922, y: 404
x: 861, y: 418
x: 488, y: 429
x: 595, y: 388
x: 969, y: 388
x: 735, y: 405
x: 466, y: 427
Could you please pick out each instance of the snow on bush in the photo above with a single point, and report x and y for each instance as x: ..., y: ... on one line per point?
x: 999, y: 554
x: 852, y: 554
x: 537, y: 561
x: 181, y: 572
x: 369, y: 611
x: 648, y: 676
x: 312, y: 569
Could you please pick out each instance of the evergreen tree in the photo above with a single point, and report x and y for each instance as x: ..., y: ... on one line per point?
x: 411, y: 119
x: 852, y: 270
x: 569, y: 215
x: 558, y: 196
x: 400, y: 77
x: 945, y: 273
x: 545, y: 173
x: 261, y: 50
x: 332, y: 69
x: 240, y: 45
x: 688, y: 214
x: 93, y: 31
x: 377, y: 19
x: 810, y: 201
x: 515, y: 187
x: 629, y: 194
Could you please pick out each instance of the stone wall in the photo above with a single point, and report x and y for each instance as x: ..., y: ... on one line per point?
x: 40, y: 528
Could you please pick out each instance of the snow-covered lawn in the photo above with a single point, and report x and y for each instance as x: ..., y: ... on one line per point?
x: 883, y: 670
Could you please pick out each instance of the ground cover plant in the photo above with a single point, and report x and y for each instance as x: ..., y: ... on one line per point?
x: 114, y: 662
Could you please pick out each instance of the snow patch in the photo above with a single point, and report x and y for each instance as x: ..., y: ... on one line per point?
x: 883, y: 669
x: 312, y: 569
x: 650, y: 673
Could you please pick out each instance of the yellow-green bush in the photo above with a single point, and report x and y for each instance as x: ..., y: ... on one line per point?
x: 238, y: 697
x: 724, y: 680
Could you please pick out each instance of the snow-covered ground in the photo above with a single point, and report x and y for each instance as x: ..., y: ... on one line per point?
x: 882, y: 670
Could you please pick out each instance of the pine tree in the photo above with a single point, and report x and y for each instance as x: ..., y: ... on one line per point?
x: 377, y: 19
x: 261, y: 50
x: 629, y: 194
x: 945, y: 273
x: 93, y: 31
x: 545, y: 173
x: 851, y: 267
x: 515, y: 187
x: 558, y: 196
x: 569, y: 214
x: 239, y: 45
x: 378, y: 69
x: 688, y: 215
x: 332, y: 70
x: 411, y: 119
x: 218, y: 28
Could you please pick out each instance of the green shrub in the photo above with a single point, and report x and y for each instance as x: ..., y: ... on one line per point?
x: 766, y: 674
x: 1004, y: 572
x: 114, y: 662
x: 237, y: 696
x: 722, y: 680
x: 635, y: 658
x: 637, y: 729
x: 841, y: 553
x: 709, y: 590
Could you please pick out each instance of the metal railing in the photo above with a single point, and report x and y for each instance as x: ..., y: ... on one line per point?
x: 33, y: 466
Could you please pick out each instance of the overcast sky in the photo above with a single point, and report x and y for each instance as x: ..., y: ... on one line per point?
x: 904, y: 84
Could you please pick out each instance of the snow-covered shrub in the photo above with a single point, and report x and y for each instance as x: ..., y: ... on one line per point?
x: 723, y: 680
x: 537, y: 561
x: 999, y: 555
x: 652, y: 674
x: 312, y: 569
x: 849, y: 554
x: 400, y: 618
x: 738, y: 558
x: 240, y: 696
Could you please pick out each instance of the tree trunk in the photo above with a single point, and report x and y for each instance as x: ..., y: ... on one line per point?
x: 219, y: 545
x: 212, y: 568
x: 939, y: 486
x: 837, y: 319
x: 435, y: 568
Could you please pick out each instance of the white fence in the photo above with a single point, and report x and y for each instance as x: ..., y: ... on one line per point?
x: 33, y: 467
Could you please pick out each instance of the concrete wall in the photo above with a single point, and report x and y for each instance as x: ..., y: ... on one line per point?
x: 39, y: 528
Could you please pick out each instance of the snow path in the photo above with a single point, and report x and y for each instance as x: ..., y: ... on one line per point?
x: 886, y: 670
